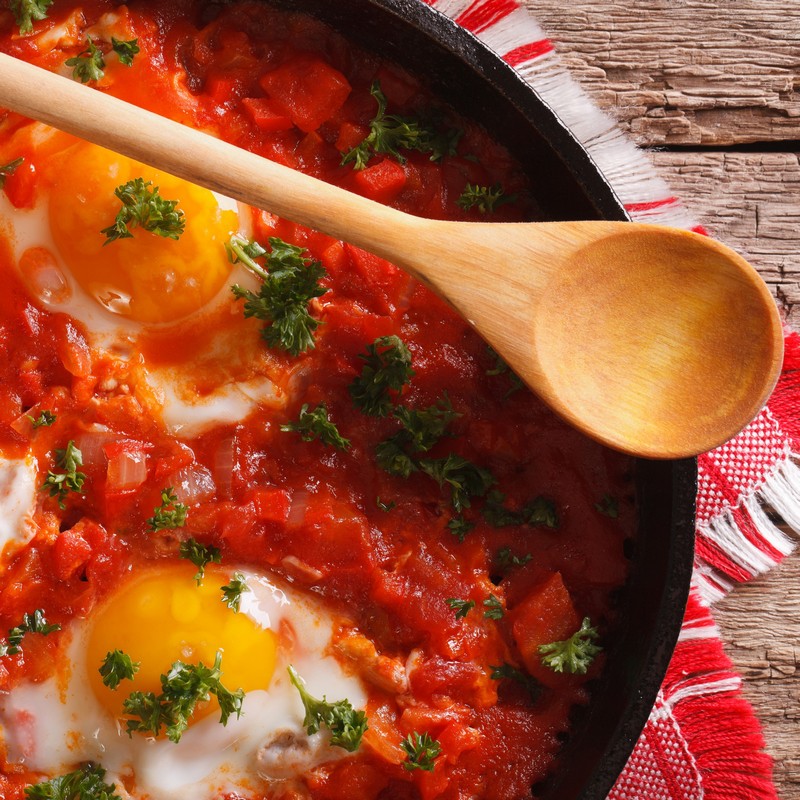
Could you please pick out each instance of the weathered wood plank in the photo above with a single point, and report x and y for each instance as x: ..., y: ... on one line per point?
x: 760, y: 623
x: 686, y: 72
x: 751, y: 201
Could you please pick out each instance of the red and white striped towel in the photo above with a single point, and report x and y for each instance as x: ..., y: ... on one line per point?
x: 702, y: 739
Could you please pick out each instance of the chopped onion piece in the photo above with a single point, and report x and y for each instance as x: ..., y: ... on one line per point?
x: 127, y: 470
x: 92, y: 444
x: 224, y: 467
x: 192, y: 484
x: 297, y: 513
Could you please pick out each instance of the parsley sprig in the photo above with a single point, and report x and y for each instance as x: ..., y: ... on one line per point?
x: 465, y: 479
x: 31, y: 623
x: 116, y: 667
x: 345, y: 724
x: 232, y: 592
x: 89, y: 64
x: 421, y: 751
x: 316, y: 424
x: 200, y: 555
x: 170, y: 514
x: 44, y: 420
x: 7, y: 170
x: 608, y: 506
x: 574, y: 655
x: 386, y: 370
x: 26, y: 12
x: 145, y: 208
x: 60, y: 484
x: 539, y: 511
x: 289, y: 282
x: 126, y: 51
x: 182, y: 688
x: 390, y: 133
x: 85, y: 783
x: 494, y: 608
x: 422, y: 429
x: 484, y: 198
x: 461, y: 607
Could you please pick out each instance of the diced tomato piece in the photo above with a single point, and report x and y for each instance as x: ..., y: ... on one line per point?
x: 223, y: 88
x: 456, y: 739
x: 546, y: 615
x: 20, y: 188
x: 311, y: 150
x: 308, y: 89
x: 264, y: 113
x: 271, y: 505
x: 350, y: 136
x: 70, y: 552
x: 397, y: 86
x: 382, y: 182
x: 334, y: 258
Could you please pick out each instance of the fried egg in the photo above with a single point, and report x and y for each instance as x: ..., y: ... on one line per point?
x: 127, y: 290
x: 160, y: 616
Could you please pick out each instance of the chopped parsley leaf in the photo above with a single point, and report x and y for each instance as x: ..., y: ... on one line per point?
x: 7, y: 170
x: 89, y: 64
x: 85, y: 783
x: 574, y: 655
x: 145, y: 208
x: 317, y: 425
x: 494, y: 608
x: 509, y: 672
x: 200, y: 555
x: 485, y: 198
x: 460, y: 527
x: 421, y: 751
x: 31, y: 623
x: 233, y: 591
x: 506, y: 559
x: 289, y: 283
x: 386, y: 370
x: 609, y: 506
x: 391, y: 133
x: 345, y: 724
x: 182, y: 688
x: 116, y: 667
x: 461, y: 607
x: 465, y: 479
x: 44, y: 420
x: 60, y: 484
x: 125, y: 50
x: 170, y: 514
x: 26, y: 12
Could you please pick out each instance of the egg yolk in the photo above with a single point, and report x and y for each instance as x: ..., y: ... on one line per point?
x: 163, y: 617
x: 148, y: 278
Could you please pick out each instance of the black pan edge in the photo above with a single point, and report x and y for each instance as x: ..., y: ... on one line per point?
x: 481, y: 86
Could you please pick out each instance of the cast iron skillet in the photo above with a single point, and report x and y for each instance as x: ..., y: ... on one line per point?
x: 480, y: 86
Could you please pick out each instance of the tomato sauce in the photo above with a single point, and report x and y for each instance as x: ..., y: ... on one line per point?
x: 376, y: 546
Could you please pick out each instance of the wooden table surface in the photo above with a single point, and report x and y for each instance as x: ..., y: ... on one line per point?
x: 712, y: 89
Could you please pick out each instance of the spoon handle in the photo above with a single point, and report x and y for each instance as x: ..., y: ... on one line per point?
x: 202, y: 159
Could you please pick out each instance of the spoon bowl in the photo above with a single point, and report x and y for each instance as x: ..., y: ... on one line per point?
x: 655, y: 341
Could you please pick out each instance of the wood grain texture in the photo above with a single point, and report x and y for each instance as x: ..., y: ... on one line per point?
x: 697, y: 74
x: 751, y: 201
x: 686, y: 72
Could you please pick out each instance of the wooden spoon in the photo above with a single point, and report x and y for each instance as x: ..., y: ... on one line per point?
x: 655, y: 341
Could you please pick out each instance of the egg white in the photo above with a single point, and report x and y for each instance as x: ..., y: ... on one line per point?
x: 18, y: 489
x: 53, y: 726
x: 185, y: 412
